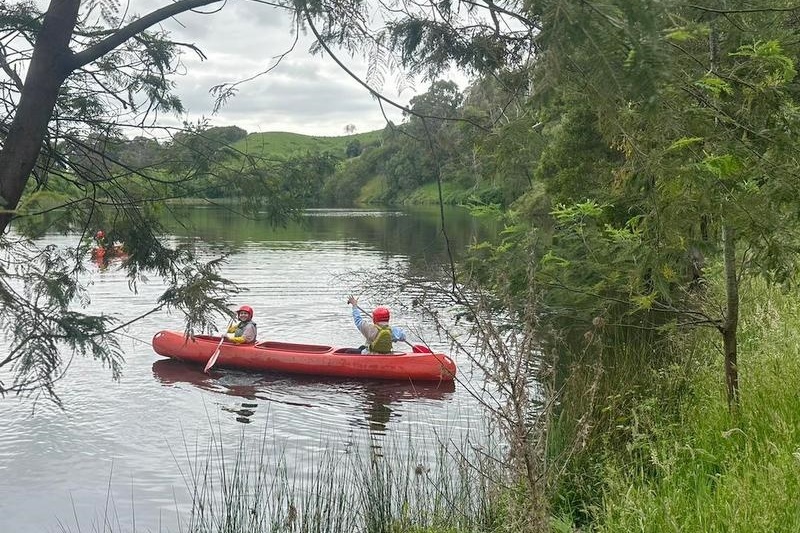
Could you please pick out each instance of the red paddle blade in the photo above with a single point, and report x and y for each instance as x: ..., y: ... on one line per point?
x: 213, y: 358
x: 211, y: 361
x: 420, y: 348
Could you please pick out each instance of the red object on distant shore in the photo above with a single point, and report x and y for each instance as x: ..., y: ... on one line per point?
x: 308, y: 359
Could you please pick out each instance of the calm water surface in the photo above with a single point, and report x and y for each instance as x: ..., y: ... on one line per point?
x: 117, y: 456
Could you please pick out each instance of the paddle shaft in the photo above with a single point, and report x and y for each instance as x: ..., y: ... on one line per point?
x: 213, y: 358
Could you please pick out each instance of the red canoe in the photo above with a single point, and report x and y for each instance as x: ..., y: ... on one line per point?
x: 309, y: 359
x: 99, y: 252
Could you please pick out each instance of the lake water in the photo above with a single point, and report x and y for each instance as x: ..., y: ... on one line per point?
x: 119, y: 455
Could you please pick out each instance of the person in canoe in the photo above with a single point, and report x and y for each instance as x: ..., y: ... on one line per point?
x: 378, y: 334
x: 100, y: 239
x: 245, y: 331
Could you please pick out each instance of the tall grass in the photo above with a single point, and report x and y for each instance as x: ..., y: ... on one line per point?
x: 344, y: 492
x: 688, y: 463
x: 608, y: 393
x: 243, y: 488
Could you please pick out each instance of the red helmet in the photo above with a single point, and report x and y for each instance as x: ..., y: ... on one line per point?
x: 380, y: 314
x: 247, y: 309
x: 100, y: 234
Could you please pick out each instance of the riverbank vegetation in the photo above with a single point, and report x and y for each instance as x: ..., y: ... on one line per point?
x: 661, y: 451
x: 657, y: 184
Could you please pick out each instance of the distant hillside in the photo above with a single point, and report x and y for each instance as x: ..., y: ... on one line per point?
x: 283, y: 145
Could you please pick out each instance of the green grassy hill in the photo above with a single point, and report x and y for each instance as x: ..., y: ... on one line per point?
x: 282, y: 145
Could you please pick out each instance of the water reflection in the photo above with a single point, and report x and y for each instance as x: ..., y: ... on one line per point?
x: 406, y: 232
x: 378, y: 396
x: 247, y: 385
x: 103, y: 261
x: 377, y: 401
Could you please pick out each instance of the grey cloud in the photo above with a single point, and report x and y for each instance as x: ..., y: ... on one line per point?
x: 229, y: 25
x: 305, y: 94
x: 310, y: 104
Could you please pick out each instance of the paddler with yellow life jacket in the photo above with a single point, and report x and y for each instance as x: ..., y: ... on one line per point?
x: 245, y: 331
x: 378, y: 334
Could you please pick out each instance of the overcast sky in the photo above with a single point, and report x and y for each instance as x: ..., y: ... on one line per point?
x: 304, y: 94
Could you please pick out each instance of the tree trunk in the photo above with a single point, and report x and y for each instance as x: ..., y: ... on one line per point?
x: 731, y: 321
x: 49, y: 67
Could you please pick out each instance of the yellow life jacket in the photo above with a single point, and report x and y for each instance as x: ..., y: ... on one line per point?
x: 383, y: 340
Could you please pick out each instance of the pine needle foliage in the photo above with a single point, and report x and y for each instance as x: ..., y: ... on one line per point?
x: 95, y: 73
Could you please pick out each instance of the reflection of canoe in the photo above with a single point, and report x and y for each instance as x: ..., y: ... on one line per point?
x: 378, y: 399
x: 101, y: 252
x: 172, y: 371
x: 307, y: 359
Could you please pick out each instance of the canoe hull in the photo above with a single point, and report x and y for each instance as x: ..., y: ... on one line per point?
x: 113, y: 251
x: 308, y: 359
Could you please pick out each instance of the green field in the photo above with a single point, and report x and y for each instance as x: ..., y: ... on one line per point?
x: 282, y: 145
